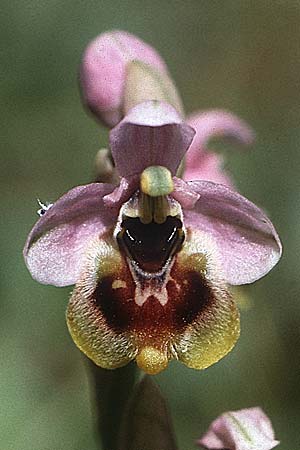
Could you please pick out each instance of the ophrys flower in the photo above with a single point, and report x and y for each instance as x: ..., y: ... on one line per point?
x: 152, y: 258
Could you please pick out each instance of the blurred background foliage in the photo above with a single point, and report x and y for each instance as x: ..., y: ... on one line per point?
x: 242, y: 55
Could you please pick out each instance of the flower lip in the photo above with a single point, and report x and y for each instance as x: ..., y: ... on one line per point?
x: 152, y: 319
x: 184, y: 313
x: 149, y: 232
x: 150, y: 245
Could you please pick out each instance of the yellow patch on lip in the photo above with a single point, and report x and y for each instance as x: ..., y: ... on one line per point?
x: 118, y: 284
x: 151, y: 360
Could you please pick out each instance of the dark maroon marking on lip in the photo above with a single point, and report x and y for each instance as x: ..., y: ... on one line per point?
x: 183, y: 307
x: 150, y: 245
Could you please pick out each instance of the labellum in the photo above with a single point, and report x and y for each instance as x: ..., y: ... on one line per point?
x: 150, y: 291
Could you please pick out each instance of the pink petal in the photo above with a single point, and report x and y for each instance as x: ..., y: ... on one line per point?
x: 55, y: 248
x: 103, y: 71
x: 209, y: 124
x: 247, y: 429
x: 247, y: 241
x: 208, y: 168
x: 122, y: 193
x: 152, y: 133
x: 184, y: 193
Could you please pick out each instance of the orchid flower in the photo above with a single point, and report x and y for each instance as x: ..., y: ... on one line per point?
x: 246, y: 429
x: 153, y: 257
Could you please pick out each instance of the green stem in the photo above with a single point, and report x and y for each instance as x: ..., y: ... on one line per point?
x: 112, y: 389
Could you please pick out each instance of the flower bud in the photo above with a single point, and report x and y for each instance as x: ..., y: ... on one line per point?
x: 104, y: 71
x: 104, y: 167
x: 246, y: 429
x: 144, y: 82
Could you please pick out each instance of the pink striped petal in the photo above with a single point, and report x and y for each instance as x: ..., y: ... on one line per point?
x: 122, y: 192
x: 184, y: 193
x: 210, y: 124
x: 55, y: 248
x: 152, y: 133
x: 246, y: 239
x: 208, y: 168
x: 103, y: 71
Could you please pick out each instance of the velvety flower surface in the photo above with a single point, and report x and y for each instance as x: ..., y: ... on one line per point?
x: 152, y: 258
x: 247, y: 429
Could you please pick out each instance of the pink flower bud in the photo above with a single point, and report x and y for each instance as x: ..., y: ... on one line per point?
x: 103, y: 72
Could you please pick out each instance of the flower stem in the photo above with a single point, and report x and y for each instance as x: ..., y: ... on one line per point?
x: 112, y: 389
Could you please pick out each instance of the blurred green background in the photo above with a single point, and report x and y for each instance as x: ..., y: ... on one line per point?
x: 240, y: 55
